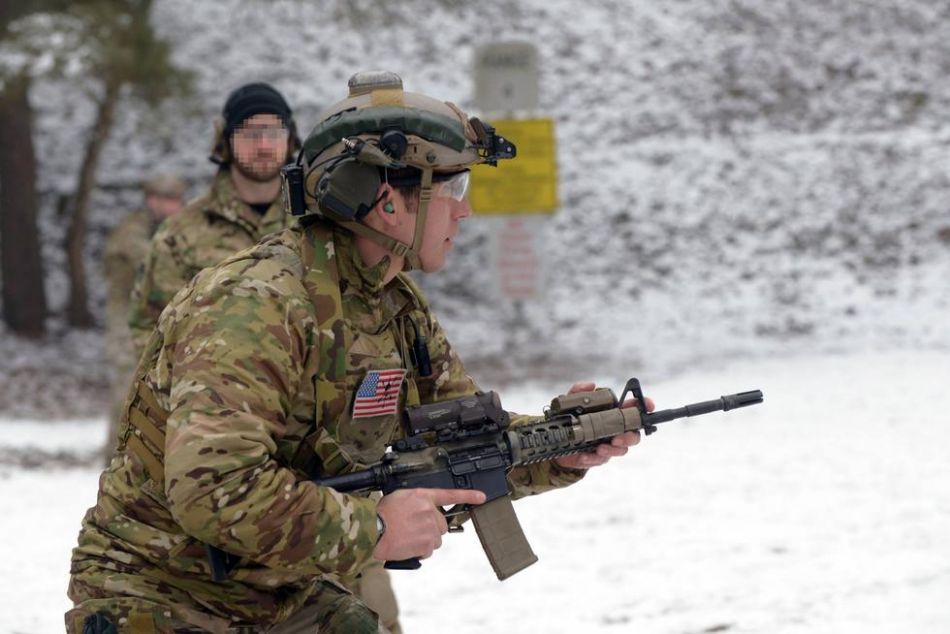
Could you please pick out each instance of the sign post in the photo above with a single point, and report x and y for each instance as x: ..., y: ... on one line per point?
x: 517, y: 198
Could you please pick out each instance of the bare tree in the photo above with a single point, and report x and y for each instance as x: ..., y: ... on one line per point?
x: 21, y: 268
x: 126, y: 53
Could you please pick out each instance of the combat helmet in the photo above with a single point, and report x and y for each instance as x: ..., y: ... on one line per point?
x: 377, y: 129
x: 163, y: 184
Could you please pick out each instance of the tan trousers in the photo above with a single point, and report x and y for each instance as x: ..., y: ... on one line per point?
x: 334, y: 612
x: 340, y: 612
x: 375, y: 588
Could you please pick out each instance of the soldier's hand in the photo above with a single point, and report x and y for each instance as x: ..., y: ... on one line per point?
x: 601, y: 454
x: 414, y: 522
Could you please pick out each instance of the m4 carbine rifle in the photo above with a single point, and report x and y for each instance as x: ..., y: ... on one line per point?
x: 467, y: 443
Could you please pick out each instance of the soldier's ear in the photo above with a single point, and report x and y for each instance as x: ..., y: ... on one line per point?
x: 295, y: 143
x: 220, y: 149
x: 387, y: 205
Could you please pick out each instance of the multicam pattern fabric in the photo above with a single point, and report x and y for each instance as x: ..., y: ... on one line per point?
x: 256, y: 363
x: 209, y: 229
x: 125, y: 249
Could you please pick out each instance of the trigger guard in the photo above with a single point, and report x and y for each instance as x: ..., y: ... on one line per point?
x: 457, y: 509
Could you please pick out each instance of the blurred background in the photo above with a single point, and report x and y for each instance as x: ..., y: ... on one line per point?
x: 738, y: 180
x: 735, y: 178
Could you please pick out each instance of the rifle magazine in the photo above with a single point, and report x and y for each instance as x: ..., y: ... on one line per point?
x: 501, y: 536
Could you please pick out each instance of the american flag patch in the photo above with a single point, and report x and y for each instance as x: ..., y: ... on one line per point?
x: 379, y: 393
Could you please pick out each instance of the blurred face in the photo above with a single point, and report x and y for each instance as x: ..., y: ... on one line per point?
x: 259, y: 147
x: 163, y: 206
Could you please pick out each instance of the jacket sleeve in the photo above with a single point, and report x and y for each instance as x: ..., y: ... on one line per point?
x: 161, y: 275
x: 450, y: 380
x: 237, y: 347
x: 120, y: 270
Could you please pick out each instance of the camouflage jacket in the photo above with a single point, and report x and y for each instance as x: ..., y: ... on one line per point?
x: 125, y: 248
x: 209, y: 229
x: 256, y: 363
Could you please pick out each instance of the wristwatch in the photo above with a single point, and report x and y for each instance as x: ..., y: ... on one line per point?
x: 380, y: 527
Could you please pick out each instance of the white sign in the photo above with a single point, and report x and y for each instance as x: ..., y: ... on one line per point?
x: 506, y: 78
x: 517, y: 251
x: 506, y: 82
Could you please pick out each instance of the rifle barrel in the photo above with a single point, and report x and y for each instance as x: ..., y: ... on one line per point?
x: 723, y: 403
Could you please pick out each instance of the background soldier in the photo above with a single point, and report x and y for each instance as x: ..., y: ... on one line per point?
x: 254, y: 383
x: 125, y: 247
x: 254, y: 138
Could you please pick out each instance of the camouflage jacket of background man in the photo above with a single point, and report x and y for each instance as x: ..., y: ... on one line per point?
x: 124, y: 251
x: 209, y: 229
x: 245, y: 393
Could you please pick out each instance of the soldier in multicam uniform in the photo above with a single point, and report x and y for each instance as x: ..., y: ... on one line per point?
x: 125, y: 247
x: 246, y: 392
x: 255, y: 137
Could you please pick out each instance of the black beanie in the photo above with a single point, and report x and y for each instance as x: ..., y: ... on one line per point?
x: 252, y: 99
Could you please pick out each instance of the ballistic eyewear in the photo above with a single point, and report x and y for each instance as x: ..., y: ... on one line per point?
x: 257, y: 134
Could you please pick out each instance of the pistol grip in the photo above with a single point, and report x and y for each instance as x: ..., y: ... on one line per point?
x: 404, y: 564
x: 501, y: 536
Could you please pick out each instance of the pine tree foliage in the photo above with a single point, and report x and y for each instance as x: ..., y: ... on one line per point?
x: 124, y: 54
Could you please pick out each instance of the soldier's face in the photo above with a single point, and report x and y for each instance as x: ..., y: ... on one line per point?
x: 442, y: 225
x: 259, y: 146
x: 163, y: 206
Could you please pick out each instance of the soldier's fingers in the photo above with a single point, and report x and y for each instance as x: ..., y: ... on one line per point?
x: 447, y: 497
x: 632, y: 402
x: 441, y: 524
x: 626, y: 439
x: 581, y: 386
x: 594, y: 459
x: 610, y: 451
x: 430, y: 546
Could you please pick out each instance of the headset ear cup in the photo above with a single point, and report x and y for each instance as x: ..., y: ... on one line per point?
x: 347, y: 190
x: 220, y: 148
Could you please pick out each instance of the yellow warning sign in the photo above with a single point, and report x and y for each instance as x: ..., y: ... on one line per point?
x: 526, y: 184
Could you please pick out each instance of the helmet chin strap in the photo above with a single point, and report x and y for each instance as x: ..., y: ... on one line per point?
x: 409, y: 253
x: 413, y: 259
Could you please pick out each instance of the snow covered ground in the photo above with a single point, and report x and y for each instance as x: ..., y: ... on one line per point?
x: 827, y: 509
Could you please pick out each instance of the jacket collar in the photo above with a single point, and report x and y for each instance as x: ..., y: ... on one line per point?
x: 383, y: 301
x: 225, y: 203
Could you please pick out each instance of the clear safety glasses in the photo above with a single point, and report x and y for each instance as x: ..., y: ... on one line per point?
x: 456, y: 186
x: 258, y: 134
